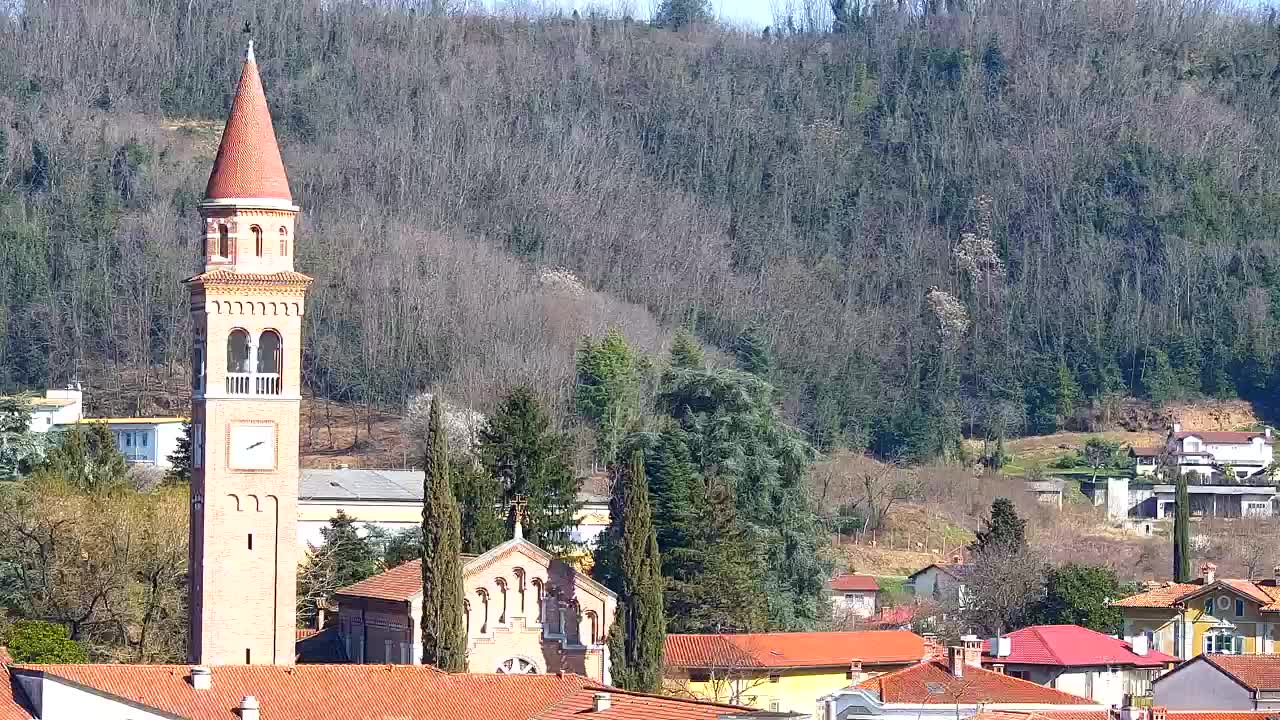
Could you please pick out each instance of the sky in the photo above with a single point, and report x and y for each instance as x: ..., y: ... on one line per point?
x: 754, y: 12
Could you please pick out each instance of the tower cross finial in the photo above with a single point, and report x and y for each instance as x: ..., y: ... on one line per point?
x: 517, y: 507
x: 248, y: 56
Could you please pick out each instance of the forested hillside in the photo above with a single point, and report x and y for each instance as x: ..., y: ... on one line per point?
x: 976, y: 222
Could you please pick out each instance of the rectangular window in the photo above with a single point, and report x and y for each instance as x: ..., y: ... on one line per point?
x: 142, y: 437
x: 128, y: 439
x: 197, y: 444
x: 1239, y: 608
x: 246, y: 657
x: 699, y: 676
x: 250, y: 541
x: 1208, y: 606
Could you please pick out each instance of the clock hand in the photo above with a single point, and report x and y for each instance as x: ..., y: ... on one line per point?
x: 255, y: 445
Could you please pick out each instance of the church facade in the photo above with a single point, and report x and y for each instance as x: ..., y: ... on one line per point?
x: 526, y: 612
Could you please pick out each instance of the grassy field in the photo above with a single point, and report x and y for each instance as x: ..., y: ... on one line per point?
x: 1025, y: 453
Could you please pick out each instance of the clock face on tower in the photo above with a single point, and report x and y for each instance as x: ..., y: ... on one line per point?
x: 252, y: 446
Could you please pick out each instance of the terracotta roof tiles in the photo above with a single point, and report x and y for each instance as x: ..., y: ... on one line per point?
x: 931, y: 683
x: 848, y: 582
x: 1170, y: 595
x: 380, y: 692
x: 242, y: 278
x: 1257, y: 672
x: 401, y: 583
x: 248, y: 164
x: 797, y: 649
x: 1072, y: 646
x: 1161, y: 596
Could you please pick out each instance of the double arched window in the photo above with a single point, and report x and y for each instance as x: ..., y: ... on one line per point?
x: 254, y: 366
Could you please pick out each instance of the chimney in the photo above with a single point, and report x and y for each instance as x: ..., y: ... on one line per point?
x: 601, y: 702
x: 1001, y: 646
x: 1207, y: 572
x: 955, y: 661
x: 201, y: 677
x: 1177, y: 427
x: 1159, y: 712
x: 249, y: 708
x: 1139, y: 645
x: 998, y: 668
x: 855, y: 671
x: 320, y: 618
x: 972, y: 650
x: 1275, y: 573
x: 933, y: 650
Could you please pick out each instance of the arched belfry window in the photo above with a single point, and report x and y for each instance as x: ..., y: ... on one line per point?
x: 284, y: 241
x: 257, y: 240
x: 238, y: 362
x: 270, y: 363
x: 224, y: 242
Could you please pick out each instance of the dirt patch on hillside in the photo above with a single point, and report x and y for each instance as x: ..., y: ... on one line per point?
x: 1138, y: 416
x: 335, y: 434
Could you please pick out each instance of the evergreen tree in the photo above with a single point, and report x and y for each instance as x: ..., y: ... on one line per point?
x: 444, y: 642
x: 751, y: 353
x: 1004, y: 530
x: 354, y: 556
x: 86, y: 459
x: 676, y: 14
x: 607, y: 392
x: 1081, y: 595
x: 637, y: 646
x: 180, y: 460
x: 1182, y: 531
x: 686, y: 352
x: 20, y: 449
x: 715, y: 586
x: 519, y: 447
x: 479, y: 497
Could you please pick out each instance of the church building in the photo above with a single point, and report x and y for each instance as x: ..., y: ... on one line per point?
x: 526, y: 612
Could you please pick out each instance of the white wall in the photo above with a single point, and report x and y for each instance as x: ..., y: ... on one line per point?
x: 161, y: 441
x: 56, y: 701
x: 855, y: 603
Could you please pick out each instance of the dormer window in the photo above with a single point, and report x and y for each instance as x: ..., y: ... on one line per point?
x: 257, y: 240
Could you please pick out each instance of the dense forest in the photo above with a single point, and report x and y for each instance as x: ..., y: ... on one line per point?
x: 984, y: 219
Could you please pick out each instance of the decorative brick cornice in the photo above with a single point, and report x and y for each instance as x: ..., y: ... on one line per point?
x: 229, y: 279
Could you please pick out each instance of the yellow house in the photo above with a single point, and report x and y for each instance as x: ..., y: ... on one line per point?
x: 782, y: 672
x: 1208, y: 615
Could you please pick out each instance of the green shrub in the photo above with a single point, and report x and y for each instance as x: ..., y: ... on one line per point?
x: 37, y: 641
x: 1066, y: 461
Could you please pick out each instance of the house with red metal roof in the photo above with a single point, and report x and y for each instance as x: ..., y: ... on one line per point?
x: 951, y: 688
x: 782, y: 672
x: 854, y: 596
x: 1222, y: 683
x: 1078, y: 660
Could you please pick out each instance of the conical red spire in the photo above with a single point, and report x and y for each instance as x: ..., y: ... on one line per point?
x: 248, y: 163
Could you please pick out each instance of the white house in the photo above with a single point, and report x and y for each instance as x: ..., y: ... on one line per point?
x: 1207, y: 452
x: 57, y: 407
x: 144, y: 440
x: 854, y: 595
x: 1079, y: 661
x: 392, y: 500
x: 943, y: 583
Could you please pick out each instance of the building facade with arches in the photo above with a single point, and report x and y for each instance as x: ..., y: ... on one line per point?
x: 525, y: 612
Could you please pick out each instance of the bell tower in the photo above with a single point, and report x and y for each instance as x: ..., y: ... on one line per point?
x: 246, y: 312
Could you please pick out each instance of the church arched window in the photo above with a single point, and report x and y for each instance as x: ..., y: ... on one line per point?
x: 270, y: 363
x: 284, y: 241
x: 224, y: 242
x: 537, y: 591
x: 257, y: 240
x: 466, y: 613
x: 594, y: 621
x: 502, y: 588
x: 484, y: 600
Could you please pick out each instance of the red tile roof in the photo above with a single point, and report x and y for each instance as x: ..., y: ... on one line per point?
x: 931, y: 683
x: 1171, y: 595
x: 1217, y: 436
x: 378, y: 692
x: 238, y: 278
x: 400, y: 583
x: 304, y: 633
x: 10, y: 708
x: 793, y: 650
x: 897, y: 615
x: 248, y: 164
x: 1071, y: 646
x: 1146, y: 451
x: 1256, y: 672
x: 848, y: 582
x: 5, y: 657
x: 1104, y: 715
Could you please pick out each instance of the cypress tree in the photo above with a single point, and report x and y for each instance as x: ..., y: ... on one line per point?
x: 639, y: 626
x: 444, y: 641
x: 1182, y: 532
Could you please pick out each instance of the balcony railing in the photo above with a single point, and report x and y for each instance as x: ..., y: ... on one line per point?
x: 253, y: 383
